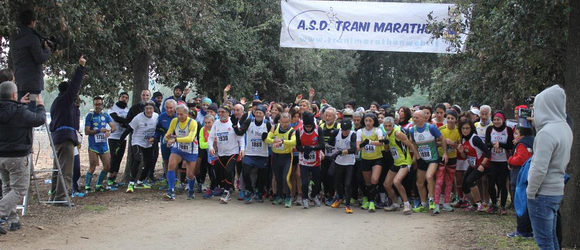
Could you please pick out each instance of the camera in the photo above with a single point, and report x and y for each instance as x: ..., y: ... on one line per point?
x: 525, y: 113
x: 53, y: 42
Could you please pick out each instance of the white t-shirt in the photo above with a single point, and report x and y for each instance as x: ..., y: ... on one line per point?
x: 143, y: 129
x: 121, y: 113
x: 228, y: 143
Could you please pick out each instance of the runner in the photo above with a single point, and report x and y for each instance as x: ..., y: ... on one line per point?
x: 207, y: 161
x: 330, y: 129
x: 446, y: 172
x: 344, y: 160
x: 405, y: 118
x: 143, y: 128
x: 180, y: 137
x: 310, y: 143
x: 397, y: 143
x: 295, y: 179
x: 283, y: 141
x: 161, y: 129
x: 477, y: 154
x: 229, y: 146
x: 367, y: 140
x: 426, y: 136
x: 97, y: 126
x: 439, y: 115
x: 117, y: 146
x: 499, y: 138
x: 256, y: 158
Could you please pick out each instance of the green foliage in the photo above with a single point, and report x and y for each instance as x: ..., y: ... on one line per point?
x: 515, y: 49
x: 207, y: 45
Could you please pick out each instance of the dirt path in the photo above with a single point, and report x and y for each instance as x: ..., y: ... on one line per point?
x: 206, y: 224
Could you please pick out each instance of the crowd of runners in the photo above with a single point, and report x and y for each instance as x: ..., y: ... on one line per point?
x: 307, y: 153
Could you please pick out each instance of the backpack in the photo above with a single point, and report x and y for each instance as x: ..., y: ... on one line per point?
x: 520, y: 196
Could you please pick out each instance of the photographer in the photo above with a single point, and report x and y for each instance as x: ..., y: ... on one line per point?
x: 28, y: 52
x: 16, y: 123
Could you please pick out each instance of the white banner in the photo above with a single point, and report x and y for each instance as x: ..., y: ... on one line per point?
x: 377, y: 26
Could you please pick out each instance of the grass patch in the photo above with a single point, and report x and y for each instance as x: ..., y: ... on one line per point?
x: 96, y: 208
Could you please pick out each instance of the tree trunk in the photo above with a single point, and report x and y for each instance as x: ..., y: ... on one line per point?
x: 570, y: 220
x: 140, y: 82
x: 140, y: 74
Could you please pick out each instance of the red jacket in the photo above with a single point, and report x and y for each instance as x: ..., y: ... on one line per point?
x: 521, y: 155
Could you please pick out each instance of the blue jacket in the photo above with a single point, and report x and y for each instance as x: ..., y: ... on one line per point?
x: 520, y: 197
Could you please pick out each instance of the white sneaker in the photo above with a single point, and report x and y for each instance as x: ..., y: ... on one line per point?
x: 305, y: 203
x: 316, y: 201
x: 299, y: 201
x: 392, y: 207
x: 225, y: 197
x: 407, y: 210
x: 203, y: 187
x: 447, y: 208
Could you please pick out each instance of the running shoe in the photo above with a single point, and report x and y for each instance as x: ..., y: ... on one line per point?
x: 348, y: 209
x: 298, y: 202
x: 112, y: 188
x: 259, y: 198
x: 420, y: 209
x: 142, y: 185
x: 380, y: 205
x: 225, y: 197
x: 328, y: 201
x: 241, y: 195
x: 130, y: 187
x: 448, y: 208
x: 407, y: 210
x: 190, y: 194
x: 336, y: 203
x: 480, y: 208
x: 305, y: 203
x: 218, y: 191
x: 518, y: 234
x: 277, y: 201
x: 249, y: 198
x: 492, y: 209
x: 78, y: 194
x: 392, y: 207
x: 431, y: 204
x: 99, y: 188
x: 462, y: 204
x: 317, y: 201
x: 170, y: 194
x: 87, y: 189
x: 436, y: 210
x: 208, y: 194
x: 353, y: 201
x: 371, y: 207
x: 503, y: 211
x: 288, y: 202
x: 365, y: 205
x: 203, y: 187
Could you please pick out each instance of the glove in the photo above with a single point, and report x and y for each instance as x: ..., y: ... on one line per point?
x: 384, y: 141
x: 234, y: 121
x: 306, y: 150
x: 264, y: 136
x: 364, y: 143
x: 332, y: 141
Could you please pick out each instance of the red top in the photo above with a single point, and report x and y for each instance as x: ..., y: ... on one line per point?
x: 311, y: 139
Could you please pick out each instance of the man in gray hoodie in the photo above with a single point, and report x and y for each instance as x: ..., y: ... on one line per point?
x: 552, y: 148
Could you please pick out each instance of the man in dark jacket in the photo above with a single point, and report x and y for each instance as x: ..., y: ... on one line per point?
x: 16, y: 123
x: 64, y: 126
x: 28, y: 53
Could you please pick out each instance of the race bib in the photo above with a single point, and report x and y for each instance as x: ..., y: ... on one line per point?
x: 395, y: 153
x: 425, y: 152
x: 185, y: 147
x: 471, y: 160
x: 222, y: 137
x: 369, y: 148
x: 256, y: 143
x: 100, y: 138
